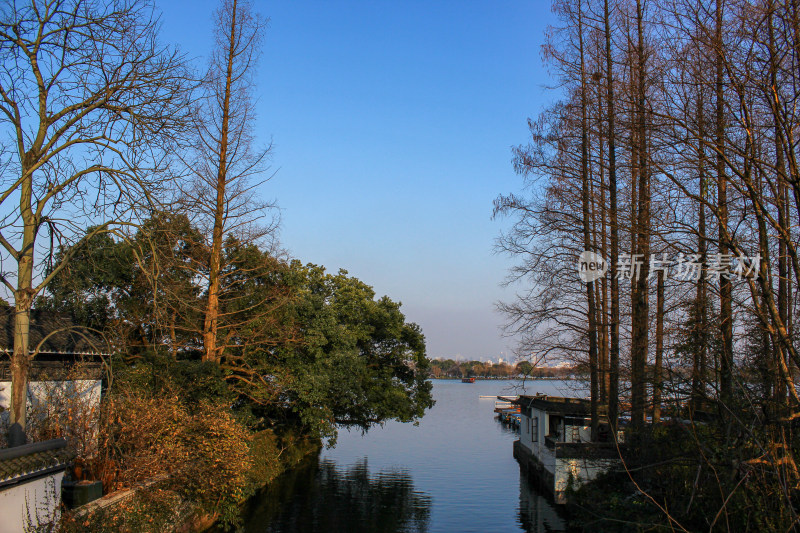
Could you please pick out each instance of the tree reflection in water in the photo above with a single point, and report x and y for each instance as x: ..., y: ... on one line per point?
x: 318, y: 496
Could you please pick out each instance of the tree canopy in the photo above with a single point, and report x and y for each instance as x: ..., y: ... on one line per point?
x: 303, y: 346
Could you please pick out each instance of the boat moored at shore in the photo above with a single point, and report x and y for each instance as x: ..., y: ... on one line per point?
x: 555, y: 443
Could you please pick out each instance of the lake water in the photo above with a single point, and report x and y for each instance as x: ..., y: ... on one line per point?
x: 454, y: 472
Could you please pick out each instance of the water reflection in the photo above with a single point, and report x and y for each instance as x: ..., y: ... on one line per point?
x: 319, y: 496
x: 537, y: 513
x: 453, y: 472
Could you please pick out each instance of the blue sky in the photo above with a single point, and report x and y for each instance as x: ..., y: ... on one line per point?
x: 392, y: 125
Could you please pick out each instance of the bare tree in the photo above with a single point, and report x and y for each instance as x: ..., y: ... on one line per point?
x: 223, y: 196
x: 613, y: 388
x: 591, y: 311
x: 89, y: 106
x: 696, y: 142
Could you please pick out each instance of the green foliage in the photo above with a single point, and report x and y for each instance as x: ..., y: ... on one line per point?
x: 359, y: 364
x: 304, y: 352
x: 89, y: 287
x: 140, y: 291
x: 197, y: 382
x: 524, y: 368
x: 272, y: 453
x: 189, y: 380
x: 216, y: 478
x: 264, y: 453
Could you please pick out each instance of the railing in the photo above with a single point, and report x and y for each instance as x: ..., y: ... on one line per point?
x: 578, y: 450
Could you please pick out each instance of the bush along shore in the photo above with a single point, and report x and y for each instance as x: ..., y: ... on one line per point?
x: 722, y: 471
x: 178, y: 458
x: 306, y: 352
x: 203, y: 494
x: 178, y: 454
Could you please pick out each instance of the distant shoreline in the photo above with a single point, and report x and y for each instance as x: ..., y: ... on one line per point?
x: 528, y: 378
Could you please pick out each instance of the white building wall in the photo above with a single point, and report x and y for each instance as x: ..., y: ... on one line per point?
x: 544, y: 424
x: 532, y: 430
x: 563, y: 468
x: 526, y: 427
x: 547, y: 458
x: 88, y: 390
x: 30, y: 504
x: 581, y: 470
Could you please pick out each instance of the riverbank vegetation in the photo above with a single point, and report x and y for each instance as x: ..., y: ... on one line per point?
x: 323, y: 352
x: 450, y: 369
x: 657, y: 243
x: 132, y: 207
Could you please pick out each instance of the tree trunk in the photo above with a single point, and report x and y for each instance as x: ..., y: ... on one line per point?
x: 23, y: 299
x: 603, y: 292
x: 20, y: 367
x: 587, y: 236
x: 211, y: 323
x: 659, y: 356
x: 613, y: 355
x: 640, y: 326
x: 725, y: 288
x: 700, y: 320
x: 781, y: 201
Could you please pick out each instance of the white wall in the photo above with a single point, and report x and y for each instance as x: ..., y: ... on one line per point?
x: 582, y: 470
x: 547, y: 458
x: 30, y: 504
x: 38, y: 391
x: 525, y: 427
x: 71, y: 407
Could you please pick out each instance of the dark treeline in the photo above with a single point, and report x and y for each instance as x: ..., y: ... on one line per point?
x: 449, y: 368
x: 672, y: 155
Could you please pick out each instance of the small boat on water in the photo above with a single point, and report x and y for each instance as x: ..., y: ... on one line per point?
x: 467, y: 380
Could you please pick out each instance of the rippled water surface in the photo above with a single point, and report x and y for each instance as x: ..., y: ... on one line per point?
x: 453, y: 472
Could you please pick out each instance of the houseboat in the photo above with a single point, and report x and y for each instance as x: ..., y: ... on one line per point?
x: 507, y: 412
x: 555, y: 444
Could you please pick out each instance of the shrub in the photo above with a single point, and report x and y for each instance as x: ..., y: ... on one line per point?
x: 203, y: 456
x: 265, y: 456
x: 216, y: 476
